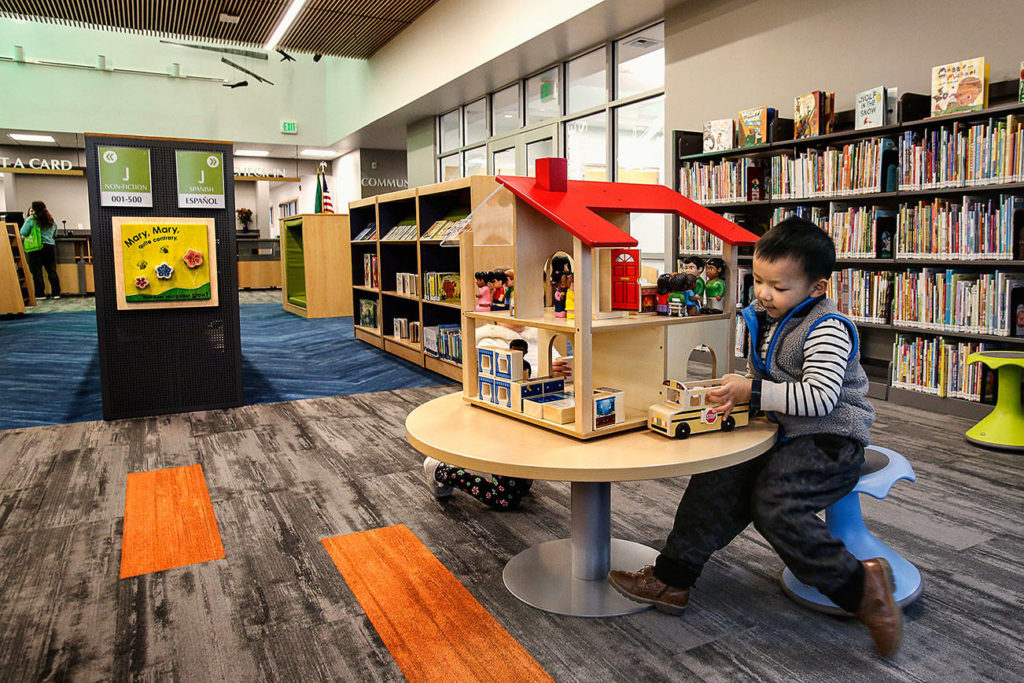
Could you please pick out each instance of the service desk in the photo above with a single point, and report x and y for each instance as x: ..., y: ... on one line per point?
x: 259, y: 262
x: 567, y: 576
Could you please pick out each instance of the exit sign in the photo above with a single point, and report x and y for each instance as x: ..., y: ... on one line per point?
x: 290, y: 127
x: 547, y: 89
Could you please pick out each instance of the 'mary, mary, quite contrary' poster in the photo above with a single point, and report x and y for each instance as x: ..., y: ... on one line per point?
x: 164, y: 262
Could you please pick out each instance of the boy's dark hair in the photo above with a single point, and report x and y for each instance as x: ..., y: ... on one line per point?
x: 519, y: 345
x: 695, y: 260
x: 804, y: 242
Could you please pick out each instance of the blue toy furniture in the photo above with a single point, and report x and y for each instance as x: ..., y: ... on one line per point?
x: 882, y: 468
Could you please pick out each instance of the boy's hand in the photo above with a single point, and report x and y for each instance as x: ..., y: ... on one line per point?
x: 735, y: 389
x: 560, y: 368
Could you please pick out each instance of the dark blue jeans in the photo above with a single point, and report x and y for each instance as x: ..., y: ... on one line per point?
x: 780, y: 492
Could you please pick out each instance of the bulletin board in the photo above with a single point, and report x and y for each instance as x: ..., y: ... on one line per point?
x: 164, y: 262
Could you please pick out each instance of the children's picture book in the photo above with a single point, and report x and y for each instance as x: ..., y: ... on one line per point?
x: 367, y: 313
x: 719, y: 135
x: 1016, y: 296
x: 959, y: 86
x: 753, y: 124
x: 871, y: 108
x: 807, y: 115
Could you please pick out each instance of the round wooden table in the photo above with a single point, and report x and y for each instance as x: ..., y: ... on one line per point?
x: 567, y: 576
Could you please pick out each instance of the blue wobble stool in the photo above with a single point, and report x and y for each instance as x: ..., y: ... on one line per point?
x: 882, y: 468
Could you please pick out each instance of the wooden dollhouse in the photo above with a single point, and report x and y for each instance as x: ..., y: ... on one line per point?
x: 616, y: 349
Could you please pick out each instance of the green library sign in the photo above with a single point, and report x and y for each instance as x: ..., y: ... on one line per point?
x: 200, y: 179
x: 125, y: 178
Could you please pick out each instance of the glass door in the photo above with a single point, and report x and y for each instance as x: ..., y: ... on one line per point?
x: 517, y: 154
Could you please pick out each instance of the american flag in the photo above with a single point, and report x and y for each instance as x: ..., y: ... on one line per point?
x: 323, y: 195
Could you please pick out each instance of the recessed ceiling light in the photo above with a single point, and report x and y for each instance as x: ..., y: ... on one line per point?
x: 643, y: 42
x: 325, y: 153
x: 251, y: 153
x: 229, y: 18
x: 22, y: 137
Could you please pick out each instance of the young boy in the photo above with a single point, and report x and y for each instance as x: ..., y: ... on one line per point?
x: 805, y: 373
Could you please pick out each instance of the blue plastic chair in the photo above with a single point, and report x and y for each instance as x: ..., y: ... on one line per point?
x: 882, y: 468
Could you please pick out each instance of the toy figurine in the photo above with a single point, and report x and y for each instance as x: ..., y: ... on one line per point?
x: 677, y: 297
x: 483, y: 292
x: 661, y: 298
x: 691, y: 302
x: 496, y: 281
x: 560, y: 294
x: 714, y: 290
x: 570, y: 297
x: 694, y: 265
x: 510, y: 290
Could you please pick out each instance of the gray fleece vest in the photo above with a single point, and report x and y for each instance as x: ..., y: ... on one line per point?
x: 853, y: 414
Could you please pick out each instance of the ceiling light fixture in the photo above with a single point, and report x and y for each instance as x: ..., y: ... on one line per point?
x: 323, y: 153
x: 229, y: 18
x: 285, y: 24
x: 251, y: 153
x: 24, y: 137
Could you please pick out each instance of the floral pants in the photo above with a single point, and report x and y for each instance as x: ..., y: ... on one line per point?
x: 502, y: 493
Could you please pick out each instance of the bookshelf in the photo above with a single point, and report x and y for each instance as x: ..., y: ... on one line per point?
x: 956, y: 190
x: 315, y: 274
x: 392, y: 249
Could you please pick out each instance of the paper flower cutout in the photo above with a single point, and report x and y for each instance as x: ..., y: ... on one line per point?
x: 193, y: 258
x: 141, y: 282
x: 164, y: 271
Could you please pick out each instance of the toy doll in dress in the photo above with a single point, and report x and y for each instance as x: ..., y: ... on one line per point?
x: 560, y: 292
x: 714, y: 289
x: 483, y: 292
x: 570, y: 296
x: 664, y: 289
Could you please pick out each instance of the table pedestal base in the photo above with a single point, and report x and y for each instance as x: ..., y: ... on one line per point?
x: 541, y: 576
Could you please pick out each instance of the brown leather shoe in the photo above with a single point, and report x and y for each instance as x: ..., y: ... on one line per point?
x: 878, y: 609
x: 644, y: 586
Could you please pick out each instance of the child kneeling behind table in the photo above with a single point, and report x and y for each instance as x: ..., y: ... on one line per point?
x: 805, y: 372
x: 497, y: 491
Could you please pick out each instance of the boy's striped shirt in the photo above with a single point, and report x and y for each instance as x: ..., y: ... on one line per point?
x: 826, y: 353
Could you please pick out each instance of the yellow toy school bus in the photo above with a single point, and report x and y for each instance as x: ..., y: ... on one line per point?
x: 686, y: 410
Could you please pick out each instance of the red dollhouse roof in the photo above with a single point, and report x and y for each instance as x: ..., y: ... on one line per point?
x: 574, y: 207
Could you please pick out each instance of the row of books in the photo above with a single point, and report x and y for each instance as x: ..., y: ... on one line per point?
x: 862, y: 295
x: 962, y: 154
x: 407, y: 283
x: 371, y: 271
x: 937, y: 366
x: 956, y: 301
x: 443, y: 341
x: 367, y: 234
x: 444, y: 287
x: 404, y: 329
x: 857, y: 231
x: 405, y: 230
x: 973, y: 228
x: 368, y: 312
x: 722, y: 182
x: 447, y: 229
x: 854, y: 168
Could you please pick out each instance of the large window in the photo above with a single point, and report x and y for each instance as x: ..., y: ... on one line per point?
x: 587, y: 79
x: 450, y: 129
x: 475, y: 161
x: 475, y: 116
x: 640, y: 158
x: 586, y: 147
x: 542, y: 97
x: 505, y: 116
x: 449, y: 167
x: 640, y: 62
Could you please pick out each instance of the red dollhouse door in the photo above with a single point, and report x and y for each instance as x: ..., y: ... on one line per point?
x: 625, y: 274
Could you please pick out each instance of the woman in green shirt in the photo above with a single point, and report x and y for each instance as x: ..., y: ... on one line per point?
x: 46, y: 255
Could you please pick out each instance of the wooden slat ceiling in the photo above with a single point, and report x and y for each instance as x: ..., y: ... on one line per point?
x: 343, y: 28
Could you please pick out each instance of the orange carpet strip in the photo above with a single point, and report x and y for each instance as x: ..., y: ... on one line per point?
x: 434, y: 628
x: 168, y: 521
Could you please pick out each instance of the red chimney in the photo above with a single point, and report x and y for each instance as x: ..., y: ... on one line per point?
x: 552, y: 174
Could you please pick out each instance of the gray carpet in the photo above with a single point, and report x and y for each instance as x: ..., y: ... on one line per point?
x: 283, y: 476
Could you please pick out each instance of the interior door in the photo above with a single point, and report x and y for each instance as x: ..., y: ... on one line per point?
x: 517, y: 154
x: 625, y: 277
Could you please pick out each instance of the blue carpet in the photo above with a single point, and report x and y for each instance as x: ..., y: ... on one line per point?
x: 50, y: 373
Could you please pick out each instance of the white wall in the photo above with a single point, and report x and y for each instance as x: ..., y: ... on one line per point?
x: 723, y: 56
x: 66, y: 197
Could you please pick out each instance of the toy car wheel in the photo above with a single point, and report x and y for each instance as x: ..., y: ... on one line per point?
x: 682, y: 431
x: 728, y: 424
